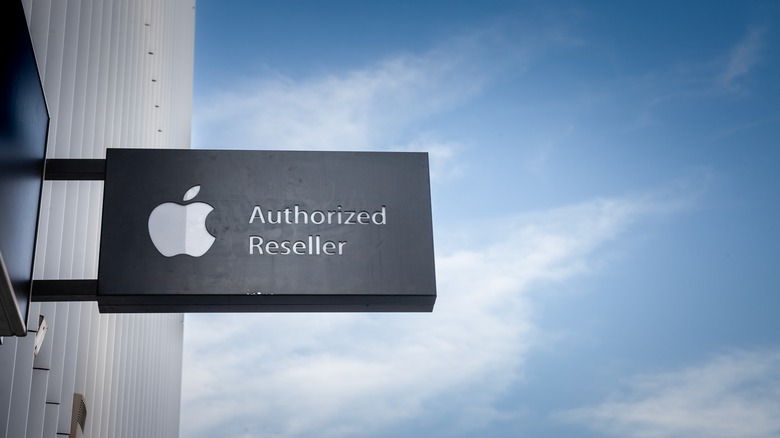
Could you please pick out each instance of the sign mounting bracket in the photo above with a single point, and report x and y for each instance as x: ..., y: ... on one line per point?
x: 64, y: 290
x: 75, y: 169
x: 69, y: 169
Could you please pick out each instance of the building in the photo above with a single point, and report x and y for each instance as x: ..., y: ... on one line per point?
x: 115, y: 73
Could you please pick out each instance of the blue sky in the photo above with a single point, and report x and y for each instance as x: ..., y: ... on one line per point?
x: 605, y: 201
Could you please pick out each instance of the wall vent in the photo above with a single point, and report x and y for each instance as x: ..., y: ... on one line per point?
x: 78, y: 416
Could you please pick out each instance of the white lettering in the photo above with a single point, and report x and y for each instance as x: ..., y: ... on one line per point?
x: 255, y: 242
x: 278, y: 217
x: 301, y: 212
x: 257, y: 212
x: 381, y: 215
x: 297, y: 215
x: 328, y: 247
x: 313, y: 245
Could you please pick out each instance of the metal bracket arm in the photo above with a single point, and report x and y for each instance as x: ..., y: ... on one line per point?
x: 64, y: 290
x: 75, y: 169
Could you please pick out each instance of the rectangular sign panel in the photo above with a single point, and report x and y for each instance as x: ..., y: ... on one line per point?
x: 198, y: 230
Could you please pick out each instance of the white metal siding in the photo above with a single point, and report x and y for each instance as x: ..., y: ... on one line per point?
x: 103, y: 89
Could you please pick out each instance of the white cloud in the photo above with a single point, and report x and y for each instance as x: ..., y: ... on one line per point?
x: 371, y: 108
x: 348, y: 374
x: 736, y: 395
x: 383, y: 106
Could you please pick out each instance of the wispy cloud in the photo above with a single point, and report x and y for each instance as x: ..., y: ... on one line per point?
x: 734, y: 395
x: 744, y: 56
x: 385, y: 105
x: 443, y: 155
x: 694, y: 81
x: 349, y: 375
x: 377, y: 107
x: 771, y: 120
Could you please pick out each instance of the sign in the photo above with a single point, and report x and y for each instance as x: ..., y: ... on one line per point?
x: 24, y: 123
x: 198, y: 230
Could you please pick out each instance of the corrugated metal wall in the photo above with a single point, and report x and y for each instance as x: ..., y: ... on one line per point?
x: 116, y: 73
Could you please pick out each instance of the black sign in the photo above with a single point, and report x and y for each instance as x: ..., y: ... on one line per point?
x: 196, y: 230
x: 24, y: 123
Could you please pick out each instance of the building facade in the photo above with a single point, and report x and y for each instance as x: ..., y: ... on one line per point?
x: 115, y: 73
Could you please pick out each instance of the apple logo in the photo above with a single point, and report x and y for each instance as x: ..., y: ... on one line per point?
x: 181, y: 229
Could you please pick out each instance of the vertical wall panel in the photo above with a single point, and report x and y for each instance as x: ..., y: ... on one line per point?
x: 7, y: 364
x: 54, y: 53
x: 39, y: 31
x: 21, y: 388
x: 50, y: 420
x: 51, y: 230
x: 27, y: 5
x: 72, y: 335
x: 90, y: 371
x: 59, y: 331
x: 37, y: 408
x: 69, y: 224
x: 63, y: 117
x: 79, y: 189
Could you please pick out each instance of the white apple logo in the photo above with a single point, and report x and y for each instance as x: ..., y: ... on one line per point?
x: 181, y: 229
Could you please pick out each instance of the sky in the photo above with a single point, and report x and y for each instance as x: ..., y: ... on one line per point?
x: 606, y: 199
